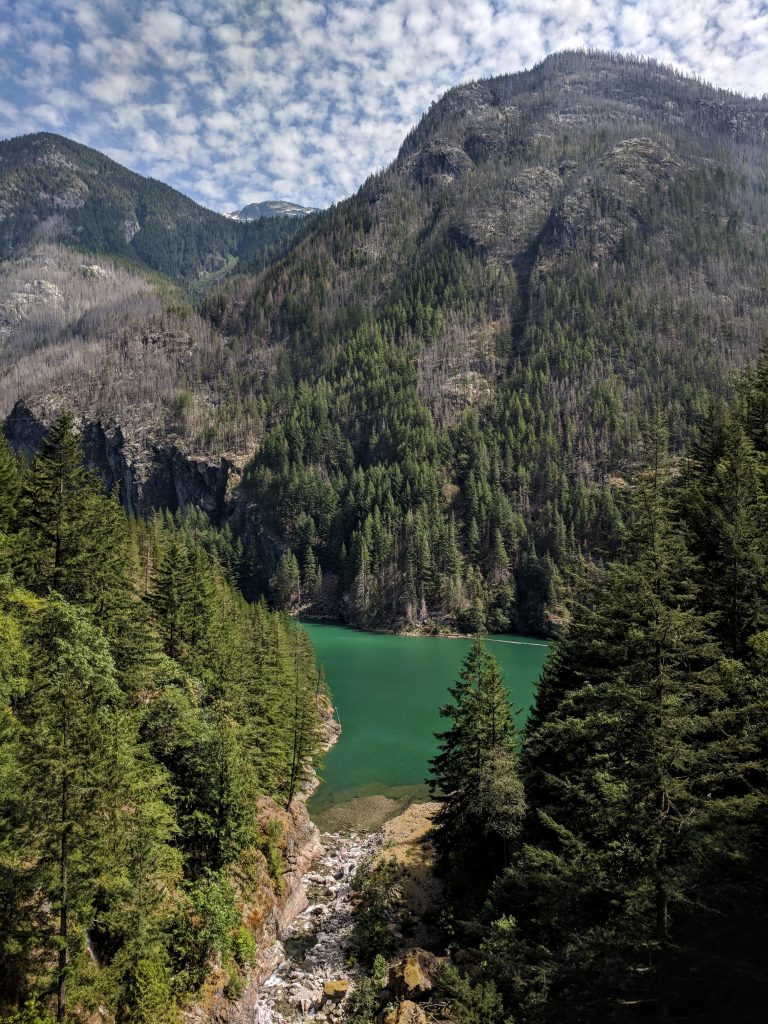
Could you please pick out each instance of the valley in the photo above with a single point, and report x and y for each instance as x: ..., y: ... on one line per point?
x: 451, y: 495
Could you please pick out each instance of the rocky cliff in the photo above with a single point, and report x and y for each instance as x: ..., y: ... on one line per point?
x: 268, y: 916
x: 149, y: 476
x: 270, y: 911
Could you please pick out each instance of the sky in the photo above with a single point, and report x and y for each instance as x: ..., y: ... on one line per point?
x: 236, y: 101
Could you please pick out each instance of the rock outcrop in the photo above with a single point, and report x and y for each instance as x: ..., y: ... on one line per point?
x: 315, y: 977
x: 273, y: 917
x: 406, y: 1013
x: 149, y: 476
x: 415, y: 975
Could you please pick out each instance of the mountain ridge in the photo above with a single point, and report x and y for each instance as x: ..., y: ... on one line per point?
x: 271, y: 208
x: 53, y: 188
x: 448, y: 378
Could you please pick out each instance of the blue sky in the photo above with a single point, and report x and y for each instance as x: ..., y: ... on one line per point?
x: 233, y: 101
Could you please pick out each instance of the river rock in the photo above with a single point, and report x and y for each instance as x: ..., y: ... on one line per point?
x: 336, y: 990
x: 415, y: 975
x: 305, y: 999
x: 406, y: 1013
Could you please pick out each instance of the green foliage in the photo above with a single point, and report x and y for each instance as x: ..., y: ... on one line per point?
x: 377, y: 911
x: 244, y: 948
x: 633, y: 886
x: 30, y: 1013
x: 235, y: 986
x: 362, y: 1006
x: 380, y: 970
x: 270, y: 845
x: 203, y: 929
x: 474, y: 776
x: 469, y: 1003
x: 144, y: 708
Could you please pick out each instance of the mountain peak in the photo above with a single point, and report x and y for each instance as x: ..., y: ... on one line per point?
x: 271, y: 208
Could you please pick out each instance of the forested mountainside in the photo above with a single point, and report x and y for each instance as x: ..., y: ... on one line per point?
x: 467, y: 351
x: 437, y: 395
x: 152, y: 727
x: 614, y: 868
x: 54, y: 189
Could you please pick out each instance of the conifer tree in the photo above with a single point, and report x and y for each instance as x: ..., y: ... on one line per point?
x: 632, y: 768
x: 10, y: 486
x: 171, y: 598
x: 474, y: 775
x: 73, y: 536
x: 68, y: 759
x: 141, y: 903
x: 286, y: 583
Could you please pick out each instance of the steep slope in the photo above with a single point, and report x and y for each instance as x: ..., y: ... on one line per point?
x: 486, y: 327
x: 54, y: 188
x: 445, y: 382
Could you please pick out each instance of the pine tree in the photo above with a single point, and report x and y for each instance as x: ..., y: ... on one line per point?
x: 724, y: 505
x: 141, y: 904
x: 73, y: 538
x: 474, y: 775
x: 10, y: 486
x: 67, y: 758
x: 171, y: 598
x: 633, y: 764
x: 286, y: 583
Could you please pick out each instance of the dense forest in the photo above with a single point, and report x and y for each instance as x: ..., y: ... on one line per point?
x: 144, y: 709
x: 469, y: 350
x: 492, y: 391
x: 612, y: 865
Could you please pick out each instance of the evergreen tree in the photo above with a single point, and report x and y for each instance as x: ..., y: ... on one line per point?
x: 67, y: 766
x: 474, y: 775
x: 141, y: 903
x: 72, y: 540
x: 10, y: 486
x: 286, y: 583
x: 634, y: 765
x: 172, y: 596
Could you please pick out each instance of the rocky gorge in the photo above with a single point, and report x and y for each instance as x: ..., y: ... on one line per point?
x: 315, y: 971
x: 313, y: 976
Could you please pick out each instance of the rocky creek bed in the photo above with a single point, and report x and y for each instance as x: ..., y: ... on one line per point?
x: 313, y: 976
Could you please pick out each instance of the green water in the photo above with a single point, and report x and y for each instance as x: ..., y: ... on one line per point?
x: 387, y: 691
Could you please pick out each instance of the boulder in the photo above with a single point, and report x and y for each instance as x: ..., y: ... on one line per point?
x: 406, y: 1013
x: 305, y: 999
x: 415, y: 975
x: 336, y: 990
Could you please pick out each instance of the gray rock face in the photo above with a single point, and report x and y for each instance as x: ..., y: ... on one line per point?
x: 271, y: 208
x: 150, y: 477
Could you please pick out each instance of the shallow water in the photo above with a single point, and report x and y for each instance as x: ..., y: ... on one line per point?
x: 387, y: 691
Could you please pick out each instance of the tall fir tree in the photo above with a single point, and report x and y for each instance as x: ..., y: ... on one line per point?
x: 474, y: 777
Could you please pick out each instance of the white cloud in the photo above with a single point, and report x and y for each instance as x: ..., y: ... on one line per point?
x: 115, y: 88
x: 237, y: 101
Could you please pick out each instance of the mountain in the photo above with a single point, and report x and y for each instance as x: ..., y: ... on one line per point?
x: 425, y: 414
x: 52, y: 188
x: 271, y: 208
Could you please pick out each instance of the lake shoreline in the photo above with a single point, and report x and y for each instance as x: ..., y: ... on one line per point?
x: 417, y: 634
x: 387, y: 692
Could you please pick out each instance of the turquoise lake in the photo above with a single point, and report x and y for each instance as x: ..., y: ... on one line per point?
x: 387, y: 691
